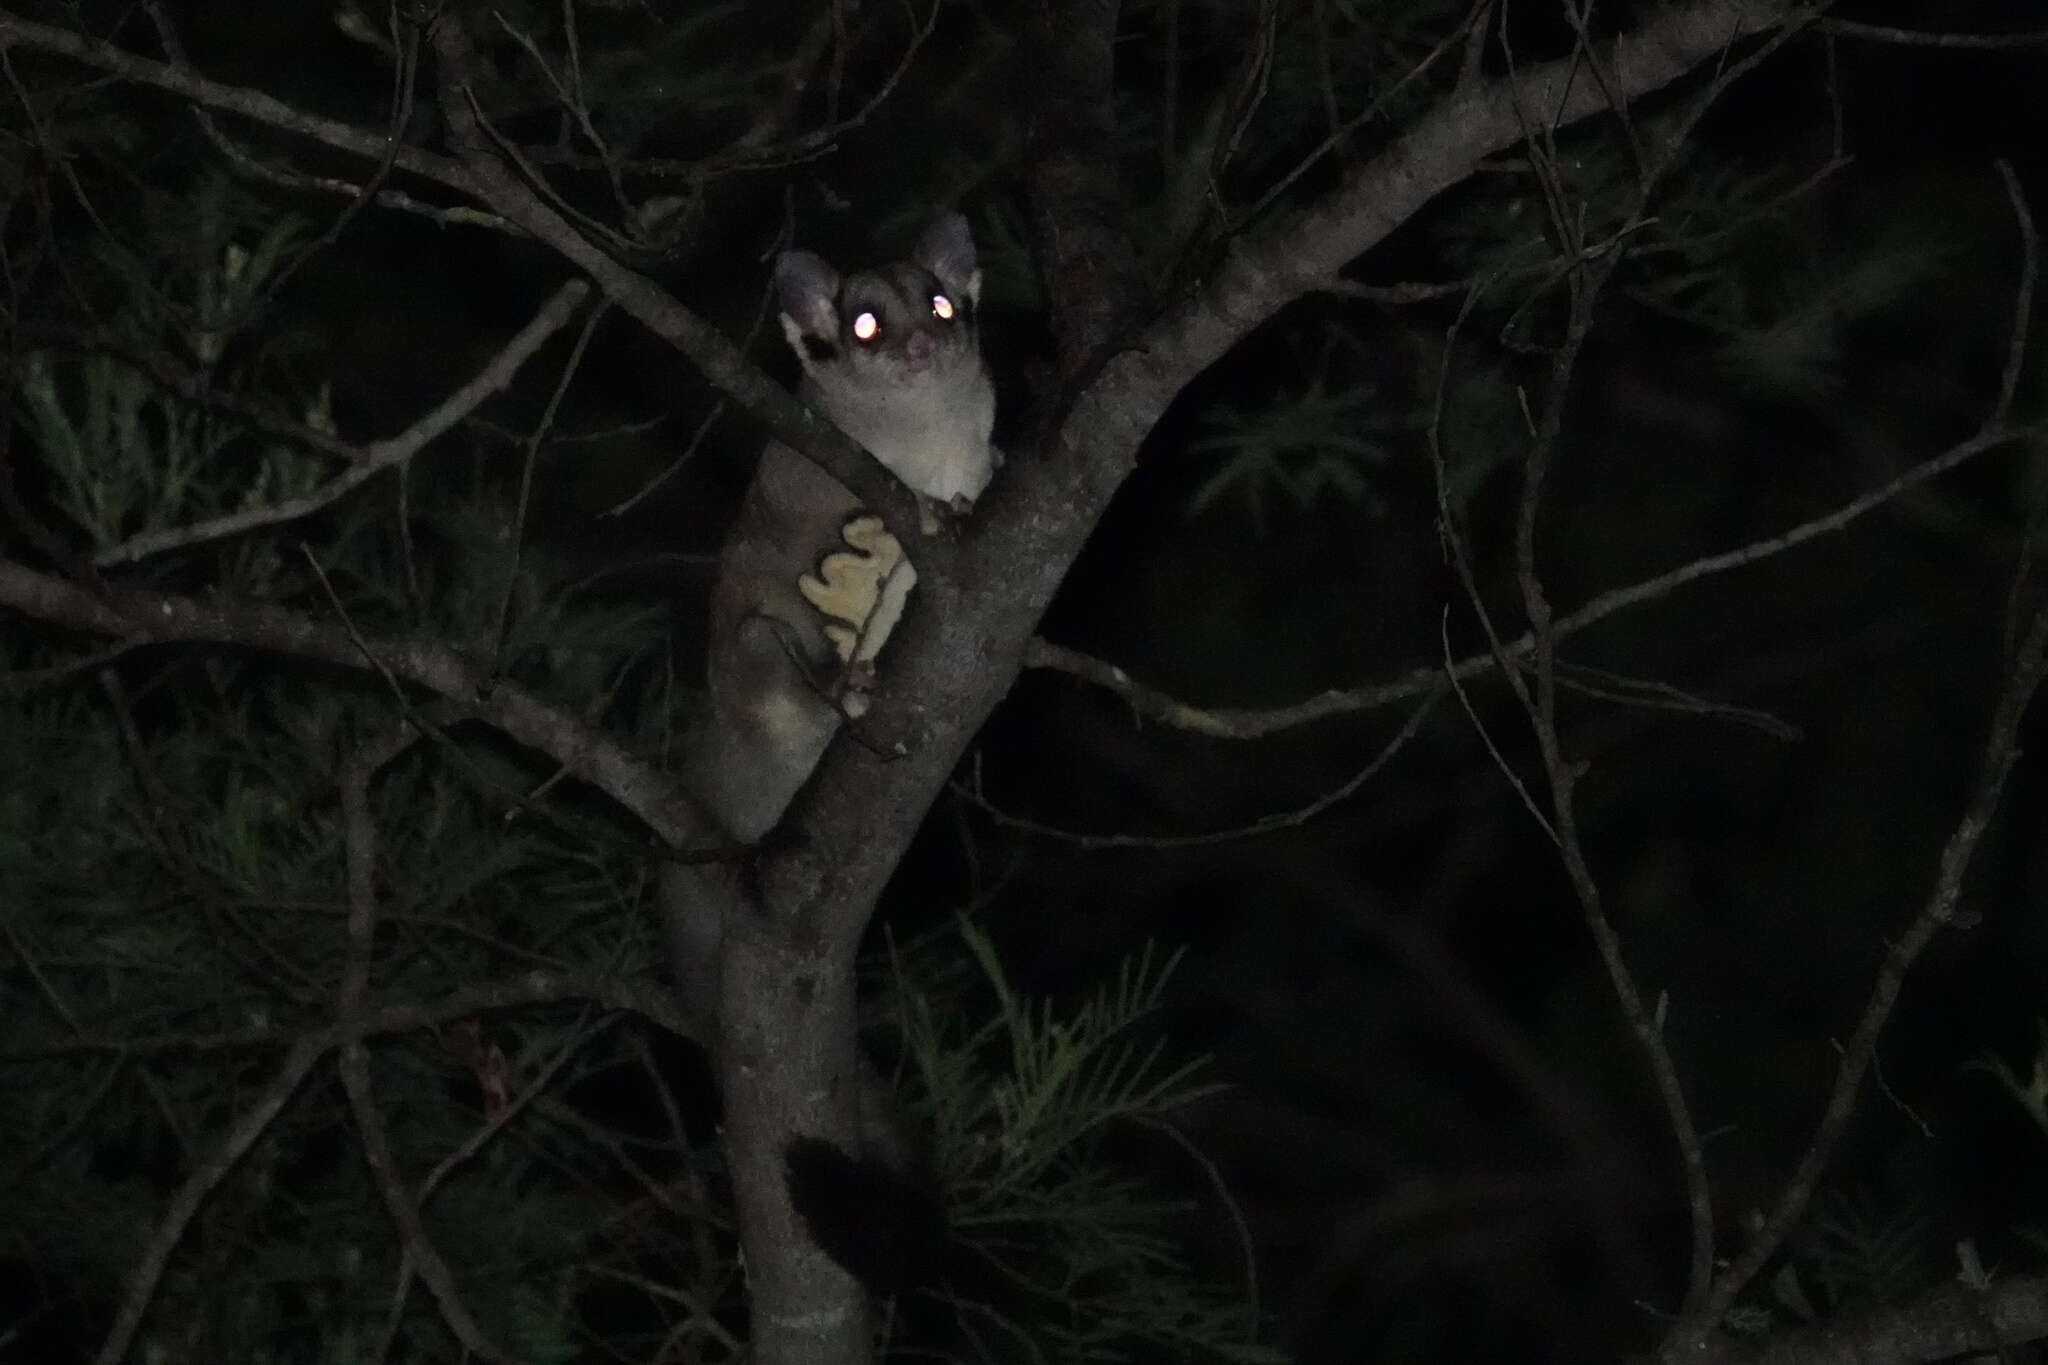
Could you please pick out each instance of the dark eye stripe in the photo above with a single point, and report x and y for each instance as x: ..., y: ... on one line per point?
x: 900, y: 296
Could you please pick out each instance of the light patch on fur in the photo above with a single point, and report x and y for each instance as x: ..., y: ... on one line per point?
x: 930, y: 431
x: 788, y: 720
x: 861, y: 590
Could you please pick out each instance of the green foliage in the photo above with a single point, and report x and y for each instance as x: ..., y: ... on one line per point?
x: 1857, y: 1248
x: 1020, y: 1107
x: 173, y: 866
x: 1783, y: 292
x: 1318, y: 443
x: 126, y: 455
x: 2030, y: 1094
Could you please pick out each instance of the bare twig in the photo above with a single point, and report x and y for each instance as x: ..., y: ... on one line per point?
x: 586, y: 751
x: 1265, y: 824
x: 359, y: 833
x: 1652, y: 695
x: 1585, y: 280
x: 1500, y: 760
x: 645, y: 997
x: 492, y: 1125
x: 2023, y: 297
x: 252, y: 104
x: 530, y: 456
x: 1251, y: 722
x: 1886, y: 33
x: 569, y: 94
x: 404, y: 76
x: 667, y: 471
x: 185, y: 382
x: 1470, y: 32
x: 376, y: 458
x: 185, y: 1204
x: 2001, y: 750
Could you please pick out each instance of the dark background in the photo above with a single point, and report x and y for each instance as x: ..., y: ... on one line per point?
x: 1441, y: 1140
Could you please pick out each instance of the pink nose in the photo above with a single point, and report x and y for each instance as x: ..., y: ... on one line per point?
x: 917, y: 349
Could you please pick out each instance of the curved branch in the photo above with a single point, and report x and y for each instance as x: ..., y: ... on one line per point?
x: 2001, y: 751
x: 489, y: 178
x: 644, y: 997
x: 1266, y: 271
x: 185, y: 1204
x: 359, y: 834
x: 1952, y: 1322
x: 376, y: 457
x: 1242, y: 722
x: 251, y: 104
x: 586, y: 752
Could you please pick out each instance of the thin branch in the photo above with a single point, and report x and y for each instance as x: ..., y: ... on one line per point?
x: 584, y: 750
x: 2023, y: 296
x: 251, y: 104
x: 404, y: 77
x: 1911, y: 37
x: 359, y: 834
x: 668, y: 471
x: 1608, y: 603
x: 490, y: 179
x: 1155, y: 705
x: 1953, y: 1322
x: 644, y: 997
x: 185, y: 1204
x: 1265, y: 824
x: 1586, y: 279
x: 529, y: 457
x: 441, y: 215
x: 1652, y: 695
x: 182, y: 381
x: 492, y: 1125
x: 1500, y: 760
x: 569, y: 94
x: 1228, y: 722
x: 382, y: 455
x: 484, y: 178
x: 2001, y: 750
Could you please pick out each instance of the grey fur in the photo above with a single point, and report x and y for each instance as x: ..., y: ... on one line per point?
x: 918, y: 396
x: 808, y: 586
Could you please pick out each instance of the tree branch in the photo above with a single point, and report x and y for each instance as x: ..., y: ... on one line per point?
x: 378, y: 456
x: 1077, y: 197
x: 1239, y: 722
x: 2001, y: 750
x: 185, y: 1204
x: 1266, y: 271
x: 250, y: 104
x: 1953, y: 1321
x: 584, y: 751
x: 359, y: 835
x: 641, y: 996
x: 490, y: 179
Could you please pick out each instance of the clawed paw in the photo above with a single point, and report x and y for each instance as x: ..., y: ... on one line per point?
x: 856, y: 688
x: 936, y: 518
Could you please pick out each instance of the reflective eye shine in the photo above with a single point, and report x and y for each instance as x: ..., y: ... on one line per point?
x: 866, y: 326
x: 942, y: 308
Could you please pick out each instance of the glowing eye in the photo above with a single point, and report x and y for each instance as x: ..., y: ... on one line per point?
x: 942, y: 308
x: 866, y: 326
